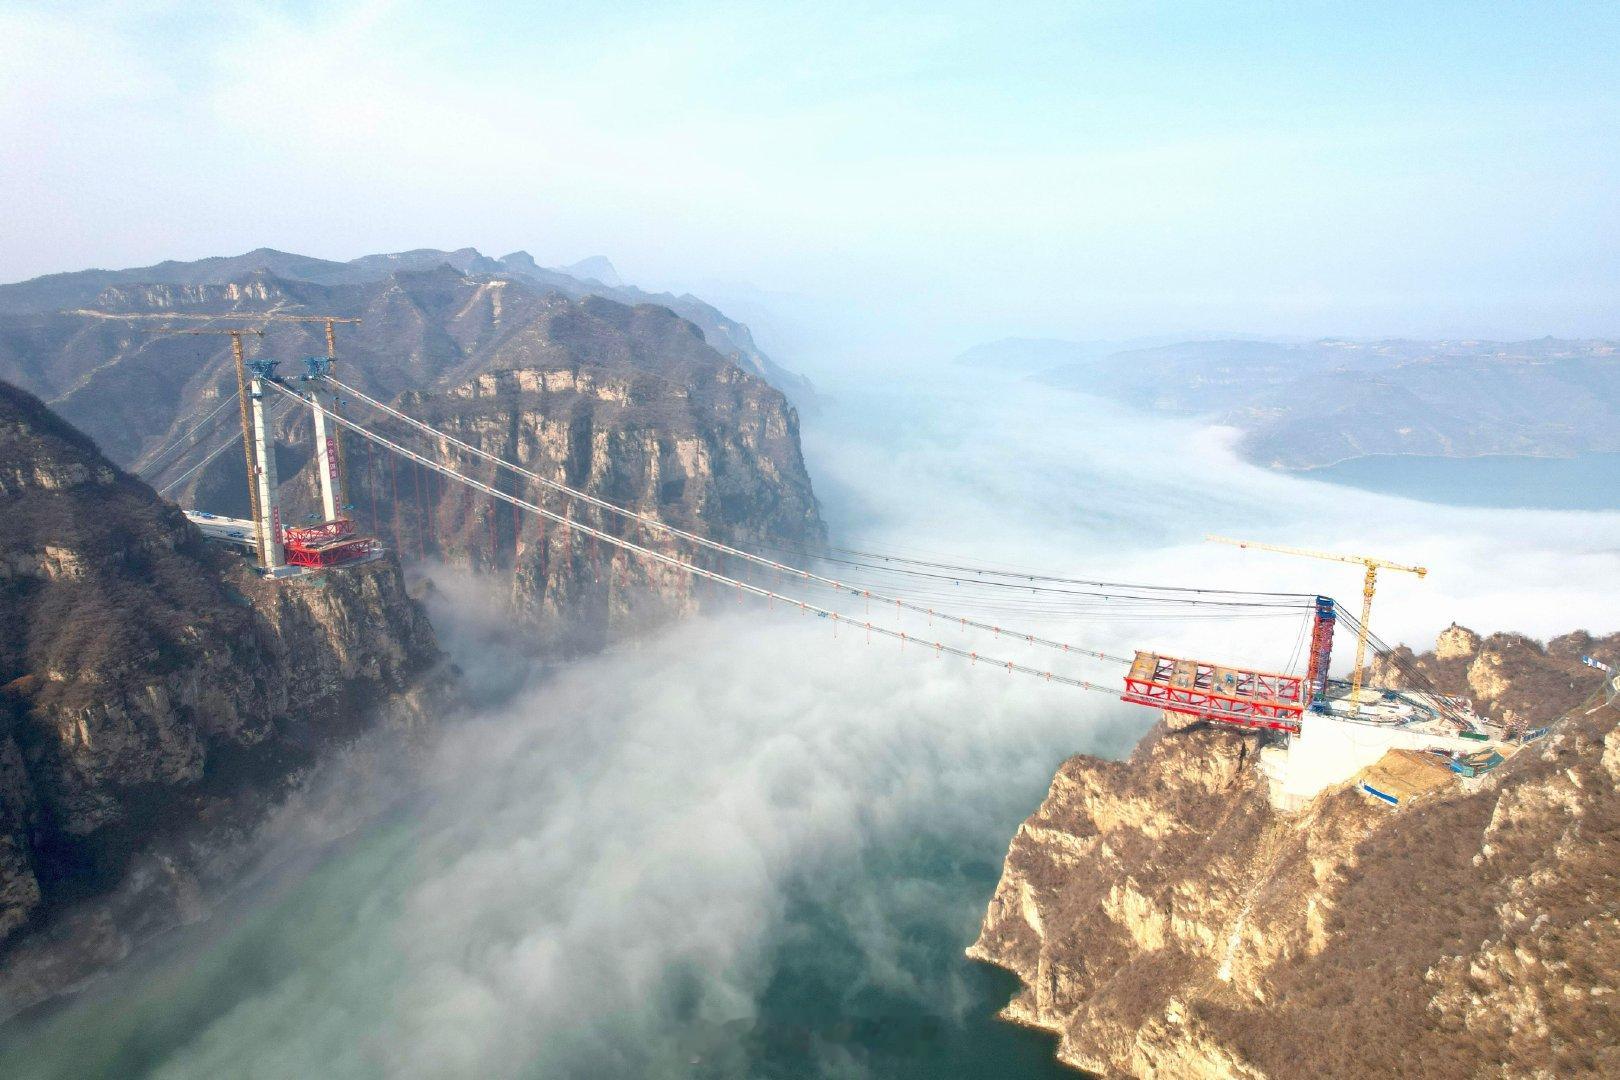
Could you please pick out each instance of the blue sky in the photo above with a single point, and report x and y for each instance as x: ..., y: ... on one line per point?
x: 1080, y: 169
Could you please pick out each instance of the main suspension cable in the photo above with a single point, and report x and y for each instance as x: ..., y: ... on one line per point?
x: 1015, y: 576
x: 698, y: 571
x: 151, y: 468
x: 714, y: 545
x: 1119, y: 592
x: 233, y: 440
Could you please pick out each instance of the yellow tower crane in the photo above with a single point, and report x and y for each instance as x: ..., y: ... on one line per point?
x: 1369, y: 584
x: 241, y: 400
x: 338, y: 478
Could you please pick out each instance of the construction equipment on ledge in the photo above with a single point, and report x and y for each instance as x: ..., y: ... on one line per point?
x: 1611, y: 679
x: 1369, y: 584
x: 238, y: 354
x: 328, y: 445
x: 294, y: 550
x: 332, y: 542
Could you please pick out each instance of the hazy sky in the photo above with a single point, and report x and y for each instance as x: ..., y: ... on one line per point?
x: 1075, y: 169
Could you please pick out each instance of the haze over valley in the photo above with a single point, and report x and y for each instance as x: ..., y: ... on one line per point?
x: 952, y: 543
x: 1315, y: 404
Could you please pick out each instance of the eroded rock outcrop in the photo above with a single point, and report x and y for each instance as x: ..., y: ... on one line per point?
x: 148, y: 681
x: 630, y: 405
x: 1165, y: 921
x: 1513, y: 678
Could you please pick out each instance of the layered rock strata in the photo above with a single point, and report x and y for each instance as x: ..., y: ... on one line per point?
x: 716, y: 453
x: 1165, y: 921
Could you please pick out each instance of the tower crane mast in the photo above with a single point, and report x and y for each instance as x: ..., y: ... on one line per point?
x: 1368, y: 586
x: 238, y: 355
x: 333, y: 479
x: 330, y: 476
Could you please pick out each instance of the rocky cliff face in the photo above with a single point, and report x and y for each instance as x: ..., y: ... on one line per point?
x: 631, y: 406
x: 1165, y: 921
x: 1510, y: 677
x: 631, y: 402
x: 148, y: 681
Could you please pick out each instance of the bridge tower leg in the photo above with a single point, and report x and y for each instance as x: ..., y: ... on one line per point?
x: 1321, y: 650
x: 326, y: 464
x: 338, y: 466
x: 269, y: 522
x: 328, y: 460
x: 247, y: 424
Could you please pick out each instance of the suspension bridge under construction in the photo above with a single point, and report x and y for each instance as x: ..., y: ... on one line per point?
x: 1322, y: 730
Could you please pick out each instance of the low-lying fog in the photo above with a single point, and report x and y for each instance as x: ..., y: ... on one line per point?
x: 747, y: 847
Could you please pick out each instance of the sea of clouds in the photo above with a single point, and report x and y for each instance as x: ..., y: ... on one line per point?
x: 594, y: 873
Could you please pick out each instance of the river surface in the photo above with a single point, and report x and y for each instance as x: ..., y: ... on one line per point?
x: 1583, y: 482
x: 756, y: 846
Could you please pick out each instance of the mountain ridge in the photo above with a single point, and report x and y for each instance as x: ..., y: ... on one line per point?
x: 1304, y: 405
x: 78, y: 289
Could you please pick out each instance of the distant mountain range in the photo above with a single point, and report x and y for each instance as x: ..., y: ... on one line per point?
x: 594, y: 276
x: 1308, y: 405
x: 1043, y: 354
x: 431, y: 322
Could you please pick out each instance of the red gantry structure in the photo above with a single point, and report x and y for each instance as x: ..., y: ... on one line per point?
x: 1238, y: 696
x: 1252, y: 699
x: 331, y: 543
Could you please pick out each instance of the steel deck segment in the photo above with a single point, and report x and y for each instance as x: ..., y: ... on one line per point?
x: 1252, y: 699
x: 225, y: 530
x: 1230, y: 682
x: 322, y: 533
x: 340, y: 553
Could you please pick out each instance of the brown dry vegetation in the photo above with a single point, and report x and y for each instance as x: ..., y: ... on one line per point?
x: 140, y: 583
x: 1475, y: 932
x: 138, y: 663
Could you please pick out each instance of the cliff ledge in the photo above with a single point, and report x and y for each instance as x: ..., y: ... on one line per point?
x: 1166, y: 921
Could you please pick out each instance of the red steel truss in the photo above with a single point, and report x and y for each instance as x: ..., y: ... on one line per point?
x: 340, y: 554
x: 325, y: 532
x: 1253, y: 699
x: 331, y: 543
